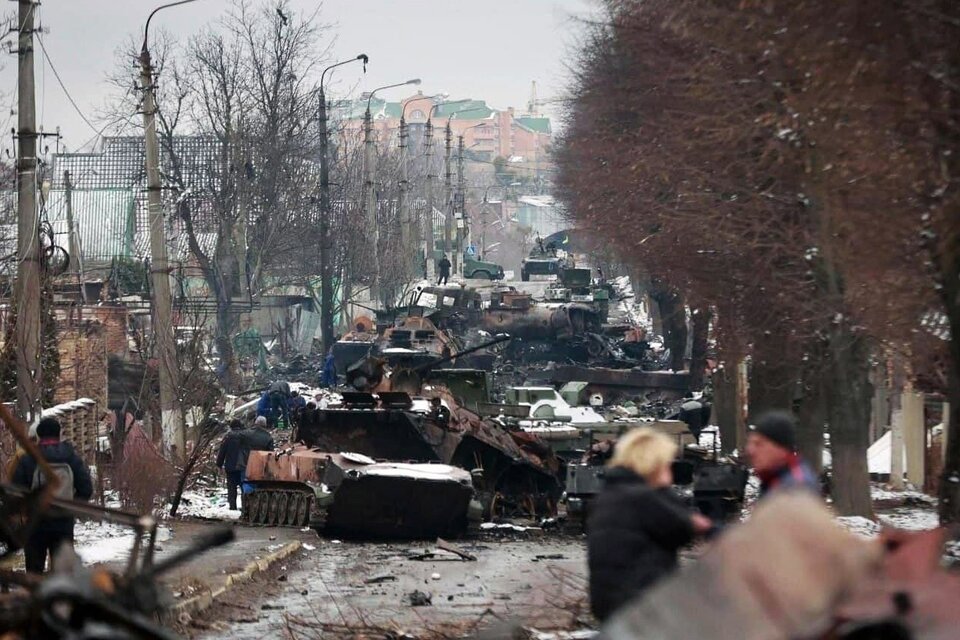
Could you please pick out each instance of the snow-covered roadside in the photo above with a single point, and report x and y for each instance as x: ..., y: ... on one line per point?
x: 209, y: 504
x: 99, y: 542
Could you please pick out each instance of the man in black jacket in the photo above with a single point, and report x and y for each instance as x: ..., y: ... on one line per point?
x: 637, y: 524
x: 444, y: 268
x: 257, y: 437
x: 56, y: 528
x: 232, y: 458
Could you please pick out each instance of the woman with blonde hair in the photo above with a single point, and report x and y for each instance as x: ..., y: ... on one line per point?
x: 637, y: 524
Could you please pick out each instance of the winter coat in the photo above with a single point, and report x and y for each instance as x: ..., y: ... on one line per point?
x: 56, y: 453
x: 633, y: 535
x: 258, y: 439
x: 233, y: 451
x: 444, y: 265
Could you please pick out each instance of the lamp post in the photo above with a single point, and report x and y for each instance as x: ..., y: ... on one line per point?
x: 370, y: 194
x: 326, y: 278
x: 171, y: 420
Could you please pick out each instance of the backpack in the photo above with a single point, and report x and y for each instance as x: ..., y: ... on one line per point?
x: 66, y: 490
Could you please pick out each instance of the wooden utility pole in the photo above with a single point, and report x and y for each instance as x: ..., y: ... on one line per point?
x: 27, y: 294
x: 171, y: 420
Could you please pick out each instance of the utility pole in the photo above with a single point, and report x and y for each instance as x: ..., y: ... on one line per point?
x: 461, y: 200
x: 403, y: 204
x: 29, y: 374
x: 448, y: 199
x: 430, y: 243
x: 326, y: 277
x: 370, y: 201
x: 74, y: 246
x: 370, y: 193
x: 171, y: 420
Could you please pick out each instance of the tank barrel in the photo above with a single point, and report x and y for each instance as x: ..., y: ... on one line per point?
x: 503, y: 337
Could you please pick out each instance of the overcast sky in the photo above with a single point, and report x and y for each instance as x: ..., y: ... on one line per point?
x: 489, y: 50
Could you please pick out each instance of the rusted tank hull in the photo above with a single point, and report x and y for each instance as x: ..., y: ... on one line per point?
x: 351, y: 495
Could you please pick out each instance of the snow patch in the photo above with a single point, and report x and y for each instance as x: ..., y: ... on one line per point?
x: 100, y: 542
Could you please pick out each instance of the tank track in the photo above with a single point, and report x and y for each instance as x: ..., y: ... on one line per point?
x: 281, y: 507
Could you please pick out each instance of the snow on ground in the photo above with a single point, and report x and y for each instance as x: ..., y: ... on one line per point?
x: 210, y: 504
x: 97, y: 542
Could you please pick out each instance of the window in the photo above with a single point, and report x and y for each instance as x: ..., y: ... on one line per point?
x: 418, y: 115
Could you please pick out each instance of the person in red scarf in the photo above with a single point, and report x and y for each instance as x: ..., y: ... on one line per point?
x: 772, y: 451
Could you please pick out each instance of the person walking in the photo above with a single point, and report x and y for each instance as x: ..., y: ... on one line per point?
x: 257, y: 437
x: 444, y: 268
x: 54, y: 528
x: 637, y: 525
x: 232, y: 459
x: 328, y: 378
x: 772, y: 452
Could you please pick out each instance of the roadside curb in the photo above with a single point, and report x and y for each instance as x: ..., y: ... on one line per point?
x: 183, y: 611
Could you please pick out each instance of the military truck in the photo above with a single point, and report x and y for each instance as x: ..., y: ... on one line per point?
x: 544, y: 260
x: 475, y: 268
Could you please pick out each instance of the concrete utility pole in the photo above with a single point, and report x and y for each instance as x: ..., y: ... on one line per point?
x: 369, y: 185
x: 171, y: 419
x: 326, y: 277
x: 29, y: 374
x: 448, y: 200
x: 76, y: 263
x: 429, y: 244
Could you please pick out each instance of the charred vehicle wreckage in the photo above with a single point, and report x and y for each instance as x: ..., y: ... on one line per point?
x: 398, y: 458
x: 428, y: 441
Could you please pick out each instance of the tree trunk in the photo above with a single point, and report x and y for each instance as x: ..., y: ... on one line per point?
x: 848, y: 396
x: 698, y: 352
x: 725, y: 406
x: 673, y: 315
x: 228, y: 373
x: 950, y: 480
x: 773, y: 382
x: 812, y: 416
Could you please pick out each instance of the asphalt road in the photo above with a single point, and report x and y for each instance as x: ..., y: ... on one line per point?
x: 535, y: 581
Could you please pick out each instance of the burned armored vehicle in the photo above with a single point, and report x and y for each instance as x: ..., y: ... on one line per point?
x: 713, y: 486
x: 399, y: 459
x: 545, y: 331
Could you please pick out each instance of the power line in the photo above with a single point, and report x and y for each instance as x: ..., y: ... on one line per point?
x: 62, y: 86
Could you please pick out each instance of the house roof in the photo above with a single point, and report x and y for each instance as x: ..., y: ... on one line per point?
x: 534, y: 123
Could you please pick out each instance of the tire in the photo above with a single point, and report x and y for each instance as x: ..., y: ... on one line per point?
x: 485, y: 275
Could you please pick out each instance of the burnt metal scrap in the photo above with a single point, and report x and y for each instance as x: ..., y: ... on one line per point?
x: 322, y: 481
x: 74, y: 601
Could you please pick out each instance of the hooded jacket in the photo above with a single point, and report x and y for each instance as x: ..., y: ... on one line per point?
x: 57, y: 452
x: 634, y: 532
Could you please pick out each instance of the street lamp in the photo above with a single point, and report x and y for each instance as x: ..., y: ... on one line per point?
x: 326, y: 279
x: 368, y: 182
x: 171, y: 420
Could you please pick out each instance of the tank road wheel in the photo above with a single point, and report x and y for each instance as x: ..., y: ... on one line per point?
x: 303, y: 510
x: 260, y: 515
x: 273, y: 514
x: 283, y: 501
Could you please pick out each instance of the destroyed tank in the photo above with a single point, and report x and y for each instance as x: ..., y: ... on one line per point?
x: 387, y: 462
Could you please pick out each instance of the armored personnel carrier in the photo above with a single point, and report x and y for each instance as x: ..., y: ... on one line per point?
x: 398, y: 458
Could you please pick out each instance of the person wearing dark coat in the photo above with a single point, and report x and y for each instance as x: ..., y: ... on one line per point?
x: 232, y: 458
x: 444, y: 267
x: 257, y: 437
x: 637, y: 525
x: 52, y: 530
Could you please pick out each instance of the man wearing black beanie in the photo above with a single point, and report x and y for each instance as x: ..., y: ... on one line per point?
x: 772, y: 450
x: 55, y: 528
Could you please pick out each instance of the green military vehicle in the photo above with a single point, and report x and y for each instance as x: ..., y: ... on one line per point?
x: 474, y: 268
